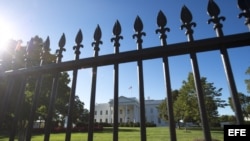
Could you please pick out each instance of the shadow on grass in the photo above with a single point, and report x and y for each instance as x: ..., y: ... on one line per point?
x: 213, y: 131
x: 110, y: 130
x: 218, y: 132
x: 3, y: 135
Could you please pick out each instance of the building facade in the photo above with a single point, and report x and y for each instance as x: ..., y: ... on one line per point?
x: 129, y: 111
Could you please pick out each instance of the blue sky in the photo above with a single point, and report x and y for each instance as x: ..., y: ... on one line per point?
x: 27, y: 18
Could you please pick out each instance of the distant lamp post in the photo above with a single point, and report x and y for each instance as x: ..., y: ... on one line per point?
x: 60, y: 119
x: 40, y: 121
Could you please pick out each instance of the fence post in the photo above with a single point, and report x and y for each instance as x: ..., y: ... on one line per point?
x: 38, y: 85
x: 214, y: 11
x: 138, y: 27
x: 186, y: 18
x: 54, y: 91
x: 95, y: 44
x: 161, y: 22
x: 77, y: 47
x: 116, y: 33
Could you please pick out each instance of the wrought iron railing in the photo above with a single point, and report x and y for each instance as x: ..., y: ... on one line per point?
x: 221, y: 43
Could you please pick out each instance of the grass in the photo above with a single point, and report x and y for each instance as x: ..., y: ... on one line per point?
x: 133, y: 134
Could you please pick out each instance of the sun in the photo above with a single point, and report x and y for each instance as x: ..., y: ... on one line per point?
x: 6, y: 34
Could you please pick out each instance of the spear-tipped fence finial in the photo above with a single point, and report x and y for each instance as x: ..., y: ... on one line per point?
x: 59, y: 51
x: 29, y: 48
x: 45, y: 51
x: 78, y: 45
x: 117, y: 37
x: 186, y: 19
x: 162, y: 22
x: 213, y: 11
x: 138, y: 27
x: 244, y: 6
x: 97, y: 40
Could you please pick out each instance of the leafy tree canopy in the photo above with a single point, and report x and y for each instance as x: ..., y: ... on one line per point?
x: 245, y: 104
x: 247, y: 81
x: 16, y: 57
x: 185, y: 102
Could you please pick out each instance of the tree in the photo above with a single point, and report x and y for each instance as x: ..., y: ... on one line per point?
x: 78, y: 112
x: 247, y: 81
x: 245, y: 104
x: 162, y: 107
x: 227, y: 118
x: 18, y: 54
x: 162, y: 110
x: 185, y: 101
x: 185, y: 106
x: 85, y: 116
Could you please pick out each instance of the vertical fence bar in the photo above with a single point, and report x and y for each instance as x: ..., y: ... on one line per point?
x: 138, y: 27
x: 18, y: 106
x: 38, y: 87
x: 20, y: 86
x: 161, y: 22
x: 95, y: 44
x: 77, y: 47
x: 5, y: 65
x: 187, y: 23
x: 34, y: 106
x: 214, y: 11
x: 116, y: 33
x: 48, y: 123
x: 54, y: 88
x: 232, y: 86
x: 20, y: 82
x: 92, y: 105
x: 7, y: 94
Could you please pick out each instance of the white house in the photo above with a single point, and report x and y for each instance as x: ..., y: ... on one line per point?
x: 129, y: 111
x: 152, y: 114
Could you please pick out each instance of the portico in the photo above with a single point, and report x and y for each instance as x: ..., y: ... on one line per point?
x: 128, y: 111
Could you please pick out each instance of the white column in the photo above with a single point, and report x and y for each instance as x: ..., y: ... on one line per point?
x: 109, y: 114
x: 126, y: 114
x: 134, y: 116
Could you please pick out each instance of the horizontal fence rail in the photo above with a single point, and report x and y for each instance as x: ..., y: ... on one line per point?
x: 17, y: 77
x: 211, y: 44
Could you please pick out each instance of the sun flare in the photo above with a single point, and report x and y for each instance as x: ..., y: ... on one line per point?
x: 5, y: 34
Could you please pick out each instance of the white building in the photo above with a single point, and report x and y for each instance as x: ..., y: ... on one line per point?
x: 129, y: 111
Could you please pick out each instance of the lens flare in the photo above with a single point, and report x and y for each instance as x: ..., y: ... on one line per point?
x: 5, y: 34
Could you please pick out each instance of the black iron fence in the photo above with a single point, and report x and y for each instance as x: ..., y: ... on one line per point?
x: 15, y: 75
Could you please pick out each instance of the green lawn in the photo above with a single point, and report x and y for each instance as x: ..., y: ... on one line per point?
x: 133, y: 134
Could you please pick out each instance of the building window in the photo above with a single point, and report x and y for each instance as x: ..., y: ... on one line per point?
x: 120, y: 120
x: 100, y: 112
x: 107, y: 112
x: 95, y: 112
x: 95, y: 120
x: 106, y: 120
x: 121, y: 111
x: 128, y: 111
x: 100, y: 120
